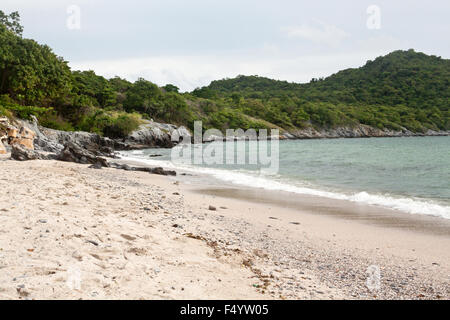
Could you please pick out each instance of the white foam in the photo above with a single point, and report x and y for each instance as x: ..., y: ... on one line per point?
x: 408, y: 205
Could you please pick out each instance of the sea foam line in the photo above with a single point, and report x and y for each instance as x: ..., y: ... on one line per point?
x: 408, y: 205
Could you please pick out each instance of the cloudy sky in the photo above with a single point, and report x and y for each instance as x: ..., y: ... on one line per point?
x: 190, y: 43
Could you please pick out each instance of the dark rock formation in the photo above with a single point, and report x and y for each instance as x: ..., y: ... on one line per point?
x: 157, y: 170
x: 149, y: 135
x: 72, y: 152
x: 20, y: 153
x: 54, y: 141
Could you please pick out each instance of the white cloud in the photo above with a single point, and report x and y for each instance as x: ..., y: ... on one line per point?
x: 383, y: 43
x: 321, y: 33
x: 189, y: 72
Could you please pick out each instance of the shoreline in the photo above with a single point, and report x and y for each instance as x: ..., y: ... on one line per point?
x: 219, y: 177
x: 158, y: 239
x: 335, y: 208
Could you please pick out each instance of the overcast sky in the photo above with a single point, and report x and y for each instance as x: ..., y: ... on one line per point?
x: 190, y: 43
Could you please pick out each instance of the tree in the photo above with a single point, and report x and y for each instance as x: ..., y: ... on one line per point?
x: 96, y: 87
x: 12, y: 22
x: 143, y: 97
x: 31, y: 73
x: 171, y: 88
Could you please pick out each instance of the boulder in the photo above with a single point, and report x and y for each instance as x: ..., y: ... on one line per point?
x: 20, y: 153
x: 153, y: 134
x: 72, y: 152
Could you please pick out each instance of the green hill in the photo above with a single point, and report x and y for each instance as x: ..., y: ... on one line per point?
x: 400, y: 78
x: 403, y: 88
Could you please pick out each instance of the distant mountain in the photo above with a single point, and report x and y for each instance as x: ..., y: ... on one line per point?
x: 400, y: 78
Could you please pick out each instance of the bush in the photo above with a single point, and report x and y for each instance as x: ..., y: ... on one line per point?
x: 122, y: 126
x: 54, y: 121
x: 110, y: 124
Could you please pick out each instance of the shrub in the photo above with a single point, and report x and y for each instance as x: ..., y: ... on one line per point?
x: 122, y: 126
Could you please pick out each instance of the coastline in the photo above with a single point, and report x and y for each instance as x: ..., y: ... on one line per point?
x: 158, y: 239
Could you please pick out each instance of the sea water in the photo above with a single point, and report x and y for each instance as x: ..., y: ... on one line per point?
x: 410, y: 174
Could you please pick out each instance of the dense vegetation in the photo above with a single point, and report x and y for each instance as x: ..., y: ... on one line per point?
x: 403, y: 89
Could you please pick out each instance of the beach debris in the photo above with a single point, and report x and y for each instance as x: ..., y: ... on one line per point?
x: 196, y: 237
x: 259, y: 253
x: 247, y: 262
x: 22, y: 292
x: 42, y: 221
x: 92, y: 242
x: 212, y: 208
x: 296, y: 223
x: 127, y: 237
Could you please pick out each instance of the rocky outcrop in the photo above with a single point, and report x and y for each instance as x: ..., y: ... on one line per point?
x: 153, y: 134
x: 359, y: 131
x: 51, y: 140
x: 149, y: 135
x: 73, y: 152
x: 21, y: 153
x: 157, y: 170
x: 12, y: 134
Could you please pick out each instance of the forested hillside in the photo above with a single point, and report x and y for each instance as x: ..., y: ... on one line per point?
x: 403, y: 89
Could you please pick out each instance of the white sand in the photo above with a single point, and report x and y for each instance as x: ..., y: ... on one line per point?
x: 154, y: 244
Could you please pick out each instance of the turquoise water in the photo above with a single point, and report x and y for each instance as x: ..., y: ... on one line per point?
x: 408, y: 174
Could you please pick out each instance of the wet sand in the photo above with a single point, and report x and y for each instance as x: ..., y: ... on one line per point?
x: 337, y: 209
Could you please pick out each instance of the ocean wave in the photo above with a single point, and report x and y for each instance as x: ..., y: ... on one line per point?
x: 248, y: 179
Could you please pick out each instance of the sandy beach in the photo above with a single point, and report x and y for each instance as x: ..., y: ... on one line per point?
x: 134, y: 235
